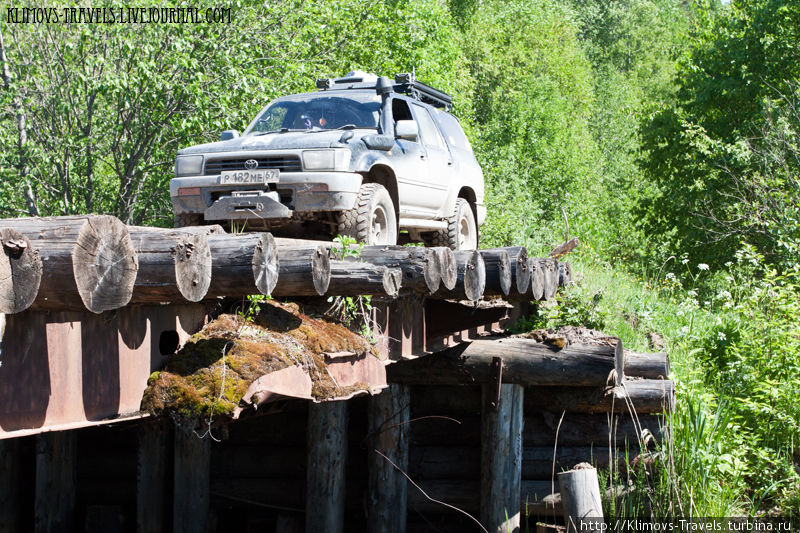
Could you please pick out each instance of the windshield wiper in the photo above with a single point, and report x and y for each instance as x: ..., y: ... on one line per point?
x: 282, y: 130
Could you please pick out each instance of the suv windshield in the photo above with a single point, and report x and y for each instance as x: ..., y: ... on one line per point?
x: 318, y: 111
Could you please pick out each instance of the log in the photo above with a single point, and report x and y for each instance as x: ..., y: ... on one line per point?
x: 243, y: 264
x: 471, y: 277
x: 448, y: 268
x: 498, y: 272
x: 173, y: 266
x: 520, y: 273
x: 191, y: 482
x: 151, y: 477
x: 325, y: 475
x: 86, y: 259
x: 20, y: 272
x: 579, y: 429
x: 351, y: 278
x: 56, y: 481
x: 647, y: 365
x: 525, y: 362
x: 645, y: 396
x: 303, y: 272
x: 389, y: 413
x: 564, y: 274
x: 550, y: 267
x: 501, y: 457
x: 563, y: 249
x: 420, y: 266
x: 464, y: 495
x: 538, y: 279
x: 580, y: 498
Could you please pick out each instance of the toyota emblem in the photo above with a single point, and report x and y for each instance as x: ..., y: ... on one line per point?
x: 251, y: 164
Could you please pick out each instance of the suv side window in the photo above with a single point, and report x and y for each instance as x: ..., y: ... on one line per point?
x: 400, y: 110
x: 452, y: 131
x: 427, y: 129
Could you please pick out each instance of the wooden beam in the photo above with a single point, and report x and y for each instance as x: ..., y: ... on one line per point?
x: 191, y: 482
x: 9, y: 484
x: 151, y: 477
x: 641, y: 395
x: 501, y: 458
x: 54, y: 501
x: 389, y: 413
x: 326, y: 446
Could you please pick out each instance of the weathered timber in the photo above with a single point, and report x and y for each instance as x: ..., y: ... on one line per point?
x: 447, y: 267
x: 389, y: 414
x: 455, y: 462
x: 56, y: 462
x: 564, y: 274
x: 647, y: 365
x: 173, y: 266
x: 564, y: 248
x: 577, y: 429
x: 352, y: 278
x: 471, y: 279
x: 644, y: 396
x: 498, y: 272
x: 86, y: 259
x: 325, y: 474
x: 302, y: 271
x: 538, y: 278
x: 243, y: 264
x: 520, y: 272
x: 9, y: 484
x: 191, y: 482
x: 550, y: 267
x: 151, y: 477
x: 501, y: 458
x: 464, y: 494
x: 580, y: 498
x: 420, y: 266
x: 20, y: 272
x: 525, y: 362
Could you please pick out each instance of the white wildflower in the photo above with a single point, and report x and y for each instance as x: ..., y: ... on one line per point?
x: 684, y: 261
x: 692, y: 293
x: 724, y: 295
x: 721, y: 336
x: 702, y: 266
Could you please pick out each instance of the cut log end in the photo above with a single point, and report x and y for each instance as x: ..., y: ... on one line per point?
x: 498, y: 271
x: 104, y: 264
x: 20, y: 272
x: 265, y: 264
x: 192, y: 257
x: 448, y: 268
x: 538, y: 280
x: 522, y: 272
x: 321, y: 270
x: 475, y: 277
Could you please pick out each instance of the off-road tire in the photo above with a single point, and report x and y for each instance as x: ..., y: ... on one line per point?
x: 357, y: 222
x: 183, y: 220
x: 451, y: 236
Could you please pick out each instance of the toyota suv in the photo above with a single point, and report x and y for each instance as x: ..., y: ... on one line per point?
x: 363, y: 156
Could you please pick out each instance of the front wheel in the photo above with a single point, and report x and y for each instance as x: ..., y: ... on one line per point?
x: 461, y: 232
x: 372, y: 220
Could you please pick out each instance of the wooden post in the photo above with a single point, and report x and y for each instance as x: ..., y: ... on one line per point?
x: 151, y: 478
x: 191, y: 482
x: 326, y: 449
x: 9, y: 484
x: 54, y: 502
x: 501, y: 458
x: 580, y: 496
x: 389, y: 413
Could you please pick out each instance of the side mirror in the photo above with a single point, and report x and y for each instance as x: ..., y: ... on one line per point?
x: 227, y: 135
x: 407, y: 129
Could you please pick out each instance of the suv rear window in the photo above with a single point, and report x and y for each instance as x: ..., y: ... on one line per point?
x: 427, y: 129
x: 452, y: 131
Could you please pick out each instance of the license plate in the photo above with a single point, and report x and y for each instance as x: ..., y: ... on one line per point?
x: 261, y: 175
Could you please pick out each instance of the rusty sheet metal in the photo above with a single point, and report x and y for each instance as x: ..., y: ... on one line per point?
x: 62, y: 370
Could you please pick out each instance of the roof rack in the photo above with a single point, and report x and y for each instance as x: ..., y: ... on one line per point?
x: 405, y: 83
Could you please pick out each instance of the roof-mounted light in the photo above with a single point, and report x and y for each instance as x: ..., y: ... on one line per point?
x: 324, y: 83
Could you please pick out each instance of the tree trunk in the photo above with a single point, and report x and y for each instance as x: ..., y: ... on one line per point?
x: 302, y: 272
x: 525, y: 362
x: 498, y: 272
x: 351, y: 278
x: 88, y: 259
x: 173, y: 266
x: 471, y: 278
x: 20, y: 272
x: 243, y: 264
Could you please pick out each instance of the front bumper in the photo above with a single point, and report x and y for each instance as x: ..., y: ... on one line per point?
x: 296, y: 192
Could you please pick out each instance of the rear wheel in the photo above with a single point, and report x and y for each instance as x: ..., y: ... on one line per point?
x: 183, y: 220
x: 461, y: 232
x: 372, y: 220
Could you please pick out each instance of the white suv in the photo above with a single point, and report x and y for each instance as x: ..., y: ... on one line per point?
x: 363, y: 156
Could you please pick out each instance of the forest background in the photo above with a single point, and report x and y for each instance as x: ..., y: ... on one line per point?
x: 666, y: 131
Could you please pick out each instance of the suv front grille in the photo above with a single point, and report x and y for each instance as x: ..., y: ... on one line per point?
x: 284, y: 163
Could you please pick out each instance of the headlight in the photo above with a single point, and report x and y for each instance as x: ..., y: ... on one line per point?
x: 188, y: 165
x: 333, y: 159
